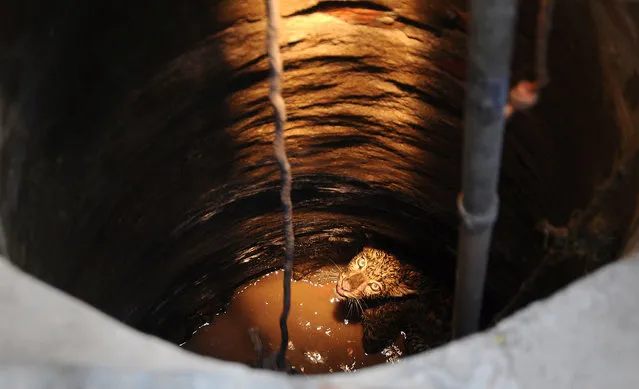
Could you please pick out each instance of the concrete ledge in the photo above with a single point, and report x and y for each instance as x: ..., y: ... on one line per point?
x: 586, y: 336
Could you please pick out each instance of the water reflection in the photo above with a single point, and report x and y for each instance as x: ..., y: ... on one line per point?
x: 323, y: 338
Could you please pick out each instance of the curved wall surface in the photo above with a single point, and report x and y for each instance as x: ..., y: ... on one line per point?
x: 137, y: 170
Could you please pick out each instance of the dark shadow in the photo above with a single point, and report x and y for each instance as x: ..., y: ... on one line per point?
x: 120, y: 133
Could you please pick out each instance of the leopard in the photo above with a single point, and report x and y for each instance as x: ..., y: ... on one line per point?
x: 395, y: 298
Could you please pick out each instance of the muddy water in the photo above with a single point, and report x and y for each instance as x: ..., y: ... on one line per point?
x: 321, y: 339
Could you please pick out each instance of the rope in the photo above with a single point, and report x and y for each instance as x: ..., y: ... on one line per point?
x: 544, y: 26
x: 525, y: 94
x: 275, y: 95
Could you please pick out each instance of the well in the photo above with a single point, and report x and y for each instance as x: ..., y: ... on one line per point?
x: 137, y: 170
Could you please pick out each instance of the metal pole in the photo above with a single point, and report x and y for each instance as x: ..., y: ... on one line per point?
x: 489, y: 56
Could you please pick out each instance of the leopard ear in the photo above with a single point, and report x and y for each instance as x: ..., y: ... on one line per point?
x: 403, y: 289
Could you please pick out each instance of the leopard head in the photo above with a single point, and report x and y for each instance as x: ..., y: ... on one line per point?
x: 374, y: 274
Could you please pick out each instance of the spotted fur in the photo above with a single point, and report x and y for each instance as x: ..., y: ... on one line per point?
x: 395, y: 297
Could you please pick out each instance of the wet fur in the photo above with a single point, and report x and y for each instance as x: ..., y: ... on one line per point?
x: 403, y: 300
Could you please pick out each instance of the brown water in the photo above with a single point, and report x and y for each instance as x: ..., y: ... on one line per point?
x: 321, y: 340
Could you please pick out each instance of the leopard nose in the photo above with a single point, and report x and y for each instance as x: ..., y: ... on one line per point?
x: 346, y: 286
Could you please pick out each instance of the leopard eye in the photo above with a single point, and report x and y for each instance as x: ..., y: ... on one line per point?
x: 375, y: 286
x: 361, y: 263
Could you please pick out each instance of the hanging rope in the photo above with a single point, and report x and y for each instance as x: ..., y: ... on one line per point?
x: 525, y: 94
x: 275, y: 95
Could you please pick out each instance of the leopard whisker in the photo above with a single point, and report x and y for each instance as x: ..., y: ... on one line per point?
x: 350, y: 307
x: 339, y: 270
x: 359, y: 306
x: 354, y: 305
